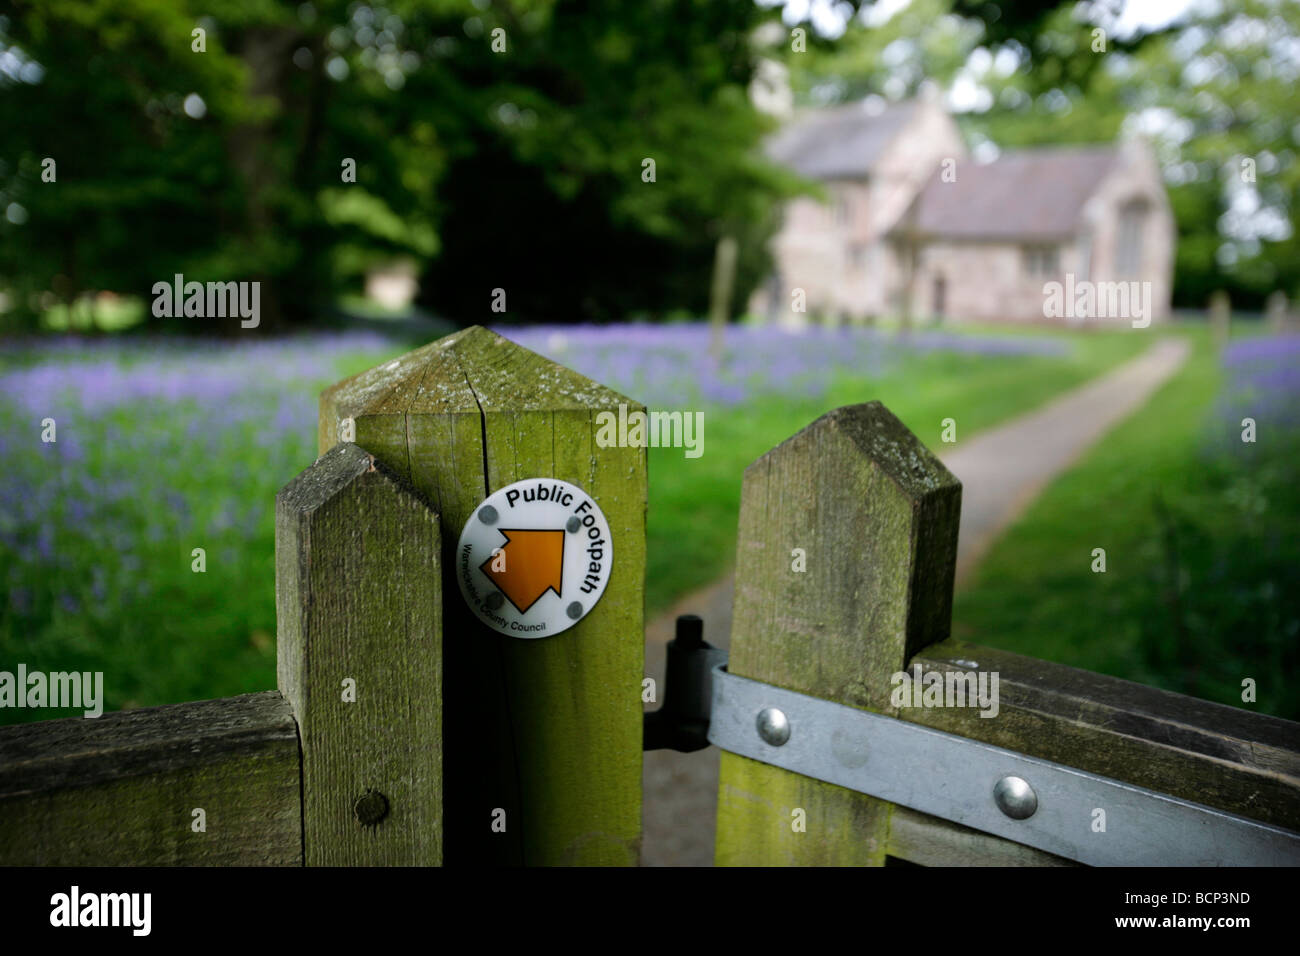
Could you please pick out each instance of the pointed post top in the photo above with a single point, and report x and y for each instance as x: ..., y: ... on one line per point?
x: 472, y: 370
x: 880, y: 438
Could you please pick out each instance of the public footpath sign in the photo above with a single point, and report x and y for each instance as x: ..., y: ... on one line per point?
x: 534, y: 558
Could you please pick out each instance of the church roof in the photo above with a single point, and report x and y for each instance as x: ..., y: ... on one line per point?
x: 1026, y: 194
x: 842, y: 142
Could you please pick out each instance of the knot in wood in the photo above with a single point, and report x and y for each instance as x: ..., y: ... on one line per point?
x: 370, y: 808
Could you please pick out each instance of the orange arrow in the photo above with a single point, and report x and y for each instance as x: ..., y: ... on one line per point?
x: 534, y: 564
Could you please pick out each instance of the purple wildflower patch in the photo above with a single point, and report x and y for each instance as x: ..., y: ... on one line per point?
x: 670, y: 365
x: 160, y: 447
x: 1262, y: 381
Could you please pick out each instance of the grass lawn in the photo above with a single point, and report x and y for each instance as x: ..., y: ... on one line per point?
x: 1201, y: 588
x: 695, y: 503
x: 164, y: 447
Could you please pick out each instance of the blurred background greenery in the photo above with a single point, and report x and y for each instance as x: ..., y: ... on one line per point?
x: 482, y: 155
x: 477, y: 169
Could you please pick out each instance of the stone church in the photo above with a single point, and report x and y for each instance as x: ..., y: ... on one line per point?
x: 912, y: 225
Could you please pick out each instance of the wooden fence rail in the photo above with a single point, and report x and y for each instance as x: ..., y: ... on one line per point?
x: 122, y: 789
x: 406, y: 732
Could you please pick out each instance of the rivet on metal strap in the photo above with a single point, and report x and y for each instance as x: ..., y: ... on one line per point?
x: 773, y: 726
x: 1015, y: 797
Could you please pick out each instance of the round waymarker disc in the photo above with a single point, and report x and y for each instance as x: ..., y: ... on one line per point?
x: 534, y: 558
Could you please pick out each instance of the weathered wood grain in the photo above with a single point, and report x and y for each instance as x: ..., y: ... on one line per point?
x: 876, y: 514
x: 548, y: 730
x: 1224, y: 757
x: 120, y: 790
x: 358, y: 581
x: 932, y: 841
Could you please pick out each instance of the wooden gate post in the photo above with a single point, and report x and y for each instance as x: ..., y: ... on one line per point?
x: 359, y: 657
x: 541, y: 738
x: 845, y: 562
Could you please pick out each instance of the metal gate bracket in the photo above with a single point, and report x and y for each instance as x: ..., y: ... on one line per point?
x: 1031, y: 801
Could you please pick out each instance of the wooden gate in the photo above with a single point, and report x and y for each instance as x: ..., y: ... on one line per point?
x: 406, y: 732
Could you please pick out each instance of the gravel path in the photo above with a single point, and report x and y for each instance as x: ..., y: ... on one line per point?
x: 1001, y: 470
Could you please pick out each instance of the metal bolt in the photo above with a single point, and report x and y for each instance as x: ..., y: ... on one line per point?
x: 487, y: 514
x: 572, y: 525
x: 773, y: 726
x: 574, y: 610
x: 494, y: 600
x: 1015, y: 797
x: 689, y: 634
x: 370, y: 808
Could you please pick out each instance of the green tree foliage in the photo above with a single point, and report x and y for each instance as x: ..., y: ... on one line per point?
x: 102, y: 94
x: 1214, y: 93
x: 215, y: 155
x: 1211, y: 90
x: 923, y: 41
x: 555, y: 138
x: 502, y: 141
x: 1231, y: 149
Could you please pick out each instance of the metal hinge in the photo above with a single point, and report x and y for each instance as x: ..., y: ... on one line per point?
x: 1035, y: 802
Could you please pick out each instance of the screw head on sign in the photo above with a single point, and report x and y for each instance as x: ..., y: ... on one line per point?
x: 1015, y: 797
x: 534, y: 557
x: 773, y: 726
